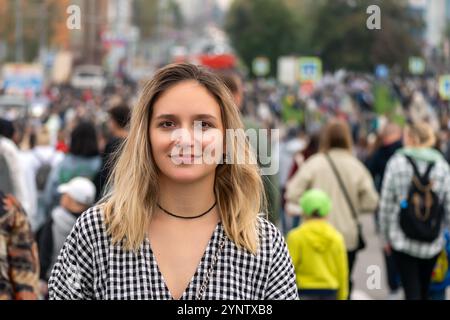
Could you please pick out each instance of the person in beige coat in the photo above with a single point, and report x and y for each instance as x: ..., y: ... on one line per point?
x: 317, y: 173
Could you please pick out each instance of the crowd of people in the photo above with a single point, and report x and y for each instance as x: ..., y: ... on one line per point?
x: 345, y: 150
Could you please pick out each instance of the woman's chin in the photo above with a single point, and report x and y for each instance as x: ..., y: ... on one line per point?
x: 185, y: 174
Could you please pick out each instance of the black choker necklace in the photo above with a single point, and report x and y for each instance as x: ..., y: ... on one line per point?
x: 183, y: 217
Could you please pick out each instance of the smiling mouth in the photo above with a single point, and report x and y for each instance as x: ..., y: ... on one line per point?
x: 185, y: 158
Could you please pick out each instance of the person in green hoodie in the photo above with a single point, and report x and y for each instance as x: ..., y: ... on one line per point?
x: 318, y: 251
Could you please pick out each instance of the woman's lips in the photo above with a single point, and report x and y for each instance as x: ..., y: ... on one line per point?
x: 185, y: 158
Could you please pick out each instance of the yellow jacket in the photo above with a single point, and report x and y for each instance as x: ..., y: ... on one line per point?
x: 319, y: 256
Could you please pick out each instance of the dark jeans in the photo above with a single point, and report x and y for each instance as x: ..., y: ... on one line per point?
x: 415, y: 274
x: 351, y: 257
x: 392, y: 274
x: 319, y: 294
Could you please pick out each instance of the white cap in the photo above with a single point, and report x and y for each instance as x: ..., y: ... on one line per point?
x: 80, y: 189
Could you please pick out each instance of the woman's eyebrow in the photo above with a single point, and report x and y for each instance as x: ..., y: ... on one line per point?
x: 204, y: 116
x: 166, y: 116
x: 196, y: 116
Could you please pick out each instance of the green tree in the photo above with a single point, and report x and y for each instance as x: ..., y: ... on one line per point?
x: 149, y: 14
x: 341, y: 38
x: 146, y: 17
x: 262, y: 28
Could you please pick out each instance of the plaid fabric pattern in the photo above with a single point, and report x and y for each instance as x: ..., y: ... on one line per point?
x: 19, y: 261
x: 91, y: 267
x: 396, y: 182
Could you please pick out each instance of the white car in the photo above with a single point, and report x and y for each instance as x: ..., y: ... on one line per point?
x: 89, y: 77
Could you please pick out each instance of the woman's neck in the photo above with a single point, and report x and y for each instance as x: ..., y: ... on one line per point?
x: 187, y: 199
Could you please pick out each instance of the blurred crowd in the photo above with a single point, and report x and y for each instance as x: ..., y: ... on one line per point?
x: 339, y: 139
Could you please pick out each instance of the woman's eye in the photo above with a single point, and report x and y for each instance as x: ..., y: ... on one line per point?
x: 205, y: 125
x: 166, y: 124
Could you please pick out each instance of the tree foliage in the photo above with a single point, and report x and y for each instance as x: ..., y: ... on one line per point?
x: 334, y: 30
x: 261, y: 28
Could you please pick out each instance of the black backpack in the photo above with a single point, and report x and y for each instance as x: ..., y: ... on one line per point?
x: 421, y: 216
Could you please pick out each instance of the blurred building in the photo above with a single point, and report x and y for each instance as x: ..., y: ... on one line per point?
x: 86, y: 43
x: 197, y: 12
x: 436, y: 15
x: 120, y: 37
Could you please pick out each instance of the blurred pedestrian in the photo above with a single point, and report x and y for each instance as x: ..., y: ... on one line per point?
x: 318, y: 251
x: 38, y: 163
x: 391, y: 141
x: 12, y: 172
x: 262, y: 147
x: 440, y: 277
x: 413, y: 207
x: 83, y: 160
x: 76, y: 197
x: 19, y: 262
x: 119, y: 118
x: 336, y: 171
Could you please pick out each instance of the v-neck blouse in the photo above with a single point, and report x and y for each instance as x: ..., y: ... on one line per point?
x: 89, y: 266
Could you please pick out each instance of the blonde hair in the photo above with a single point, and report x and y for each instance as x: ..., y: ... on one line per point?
x: 133, y: 184
x: 422, y: 133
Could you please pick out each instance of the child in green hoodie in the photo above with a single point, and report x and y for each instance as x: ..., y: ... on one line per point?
x: 318, y: 251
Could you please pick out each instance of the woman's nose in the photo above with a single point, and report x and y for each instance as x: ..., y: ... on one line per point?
x: 183, y: 137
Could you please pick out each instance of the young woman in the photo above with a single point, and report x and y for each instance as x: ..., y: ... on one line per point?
x: 173, y: 225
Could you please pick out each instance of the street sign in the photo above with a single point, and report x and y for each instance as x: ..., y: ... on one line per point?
x: 261, y: 66
x: 287, y: 70
x: 444, y: 87
x: 382, y: 71
x: 310, y: 69
x: 416, y: 65
x: 26, y: 79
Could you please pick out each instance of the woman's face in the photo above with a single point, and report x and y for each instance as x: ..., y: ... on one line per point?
x: 186, y: 133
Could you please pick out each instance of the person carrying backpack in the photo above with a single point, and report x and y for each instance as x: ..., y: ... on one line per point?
x: 414, y: 208
x: 38, y: 162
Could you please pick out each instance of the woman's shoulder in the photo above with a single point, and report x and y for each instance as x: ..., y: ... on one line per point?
x: 269, y: 234
x: 91, y: 225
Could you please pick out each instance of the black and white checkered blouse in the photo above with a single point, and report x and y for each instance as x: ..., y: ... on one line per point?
x: 91, y: 267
